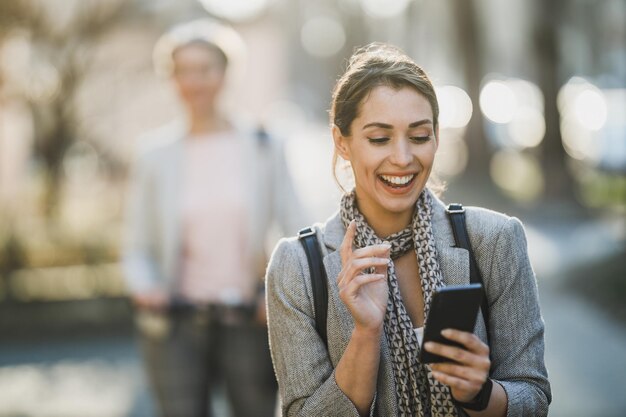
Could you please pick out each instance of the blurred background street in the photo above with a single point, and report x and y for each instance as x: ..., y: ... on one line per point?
x: 532, y: 96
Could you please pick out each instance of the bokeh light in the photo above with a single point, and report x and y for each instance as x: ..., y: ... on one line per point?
x: 577, y: 141
x: 518, y: 174
x: 584, y: 102
x: 452, y: 154
x: 498, y: 102
x: 235, y: 10
x: 455, y: 107
x: 584, y: 112
x: 514, y: 107
x: 322, y: 36
x: 590, y: 109
x: 527, y: 128
x: 66, y: 388
x: 384, y: 8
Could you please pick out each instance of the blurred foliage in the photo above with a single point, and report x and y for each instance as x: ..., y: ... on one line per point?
x: 47, y: 266
x: 65, y: 47
x: 608, y: 190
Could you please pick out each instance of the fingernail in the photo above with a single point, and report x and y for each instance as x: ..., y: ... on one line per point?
x: 446, y: 332
x: 428, y: 345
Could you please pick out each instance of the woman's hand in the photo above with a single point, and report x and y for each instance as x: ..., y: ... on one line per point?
x: 470, y: 367
x: 151, y: 300
x: 364, y: 294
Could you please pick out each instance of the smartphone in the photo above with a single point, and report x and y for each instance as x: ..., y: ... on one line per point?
x: 453, y: 307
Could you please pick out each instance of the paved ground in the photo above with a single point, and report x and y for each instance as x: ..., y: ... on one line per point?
x: 585, y: 348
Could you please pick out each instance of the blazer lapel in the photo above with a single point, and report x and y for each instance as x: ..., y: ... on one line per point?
x: 170, y: 201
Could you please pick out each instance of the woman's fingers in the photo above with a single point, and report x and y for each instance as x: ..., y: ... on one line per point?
x: 345, y: 250
x: 458, y: 384
x: 358, y: 267
x: 477, y: 375
x: 379, y: 251
x: 469, y: 340
x: 353, y: 287
x: 469, y: 367
x: 459, y: 355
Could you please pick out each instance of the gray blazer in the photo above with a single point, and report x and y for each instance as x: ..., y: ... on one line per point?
x: 153, y: 225
x: 305, y: 368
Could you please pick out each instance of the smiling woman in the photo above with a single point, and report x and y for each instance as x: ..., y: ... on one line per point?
x: 391, y: 148
x: 385, y: 253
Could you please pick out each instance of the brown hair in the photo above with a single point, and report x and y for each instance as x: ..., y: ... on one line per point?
x: 374, y: 65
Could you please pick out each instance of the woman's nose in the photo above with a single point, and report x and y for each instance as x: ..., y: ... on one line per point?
x: 401, y: 155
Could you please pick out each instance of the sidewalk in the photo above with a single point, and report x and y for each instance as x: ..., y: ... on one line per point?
x: 585, y: 348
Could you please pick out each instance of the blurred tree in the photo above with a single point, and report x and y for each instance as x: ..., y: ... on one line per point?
x: 470, y: 48
x: 68, y: 48
x: 559, y: 184
x: 12, y: 258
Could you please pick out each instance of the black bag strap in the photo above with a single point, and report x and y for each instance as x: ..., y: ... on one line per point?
x: 456, y: 213
x: 308, y: 238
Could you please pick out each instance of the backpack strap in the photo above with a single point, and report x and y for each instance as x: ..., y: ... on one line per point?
x: 456, y: 213
x: 308, y: 238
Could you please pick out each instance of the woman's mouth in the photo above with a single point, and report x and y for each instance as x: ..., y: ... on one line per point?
x: 397, y: 182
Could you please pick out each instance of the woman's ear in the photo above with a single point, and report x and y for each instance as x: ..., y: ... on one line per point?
x: 341, y: 146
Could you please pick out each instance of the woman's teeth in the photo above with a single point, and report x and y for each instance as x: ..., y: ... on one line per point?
x: 397, y: 181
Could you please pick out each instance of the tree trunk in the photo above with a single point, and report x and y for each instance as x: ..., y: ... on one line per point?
x: 470, y: 49
x: 558, y: 181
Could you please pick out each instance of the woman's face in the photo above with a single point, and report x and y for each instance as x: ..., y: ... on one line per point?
x: 391, y: 149
x: 198, y: 75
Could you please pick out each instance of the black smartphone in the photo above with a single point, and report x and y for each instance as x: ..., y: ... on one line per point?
x: 453, y: 307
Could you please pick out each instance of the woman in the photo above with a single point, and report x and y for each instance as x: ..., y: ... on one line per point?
x: 385, y: 252
x: 202, y: 200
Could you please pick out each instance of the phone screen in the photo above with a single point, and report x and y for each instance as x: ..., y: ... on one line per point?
x: 453, y: 307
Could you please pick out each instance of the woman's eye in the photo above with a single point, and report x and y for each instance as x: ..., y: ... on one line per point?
x: 420, y: 139
x: 378, y: 140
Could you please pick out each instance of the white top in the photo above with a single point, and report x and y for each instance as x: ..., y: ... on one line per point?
x: 215, y: 265
x: 419, y: 332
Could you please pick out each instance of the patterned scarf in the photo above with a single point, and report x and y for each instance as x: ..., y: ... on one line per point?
x: 418, y: 393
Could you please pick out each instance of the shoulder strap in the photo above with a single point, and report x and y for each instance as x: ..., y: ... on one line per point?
x: 308, y: 238
x: 456, y: 213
